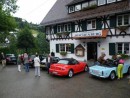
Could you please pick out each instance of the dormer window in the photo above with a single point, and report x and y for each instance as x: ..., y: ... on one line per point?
x: 103, y: 2
x: 71, y: 9
x: 93, y: 2
x: 78, y: 7
x: 84, y: 5
x: 110, y: 1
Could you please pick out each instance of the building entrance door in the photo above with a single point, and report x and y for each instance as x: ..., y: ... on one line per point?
x: 92, y: 51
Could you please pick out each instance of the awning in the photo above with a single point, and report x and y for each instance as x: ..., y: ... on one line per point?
x: 90, y: 35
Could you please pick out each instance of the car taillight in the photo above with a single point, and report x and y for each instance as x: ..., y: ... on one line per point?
x: 8, y: 58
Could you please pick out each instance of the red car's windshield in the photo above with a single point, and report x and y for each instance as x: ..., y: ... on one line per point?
x: 63, y: 62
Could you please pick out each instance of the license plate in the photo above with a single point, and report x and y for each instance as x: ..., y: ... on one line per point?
x: 95, y: 72
x: 54, y: 72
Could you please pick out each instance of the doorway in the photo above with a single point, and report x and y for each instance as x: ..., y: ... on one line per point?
x: 92, y: 51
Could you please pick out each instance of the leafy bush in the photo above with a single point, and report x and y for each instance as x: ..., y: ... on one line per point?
x: 63, y: 53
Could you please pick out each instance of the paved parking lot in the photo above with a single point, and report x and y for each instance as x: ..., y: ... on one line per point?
x: 15, y: 84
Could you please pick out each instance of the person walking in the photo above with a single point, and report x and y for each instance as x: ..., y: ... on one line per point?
x: 26, y: 62
x: 49, y: 62
x: 3, y: 59
x: 19, y: 62
x: 37, y: 65
x: 120, y: 67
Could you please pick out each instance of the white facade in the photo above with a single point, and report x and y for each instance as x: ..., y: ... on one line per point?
x: 102, y: 45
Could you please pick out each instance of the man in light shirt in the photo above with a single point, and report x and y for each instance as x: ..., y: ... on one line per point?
x: 37, y: 66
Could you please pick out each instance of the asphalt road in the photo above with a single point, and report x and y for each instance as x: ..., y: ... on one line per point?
x: 14, y: 84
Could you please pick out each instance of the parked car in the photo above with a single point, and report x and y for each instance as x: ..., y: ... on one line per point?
x: 11, y: 58
x: 31, y: 60
x: 68, y: 67
x: 43, y: 62
x: 107, y: 70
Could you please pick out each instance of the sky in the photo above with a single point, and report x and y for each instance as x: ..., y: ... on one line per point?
x: 33, y: 10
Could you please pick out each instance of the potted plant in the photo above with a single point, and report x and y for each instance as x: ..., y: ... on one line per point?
x: 63, y: 53
x: 59, y: 34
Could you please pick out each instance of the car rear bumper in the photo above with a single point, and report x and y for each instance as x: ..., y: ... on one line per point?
x: 58, y: 72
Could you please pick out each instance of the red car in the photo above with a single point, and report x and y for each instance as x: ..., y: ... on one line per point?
x: 68, y: 67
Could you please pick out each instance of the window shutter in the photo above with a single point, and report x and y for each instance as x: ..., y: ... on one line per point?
x: 84, y: 26
x: 57, y: 48
x: 112, y: 49
x: 72, y: 26
x: 55, y: 29
x: 72, y: 48
x: 98, y: 24
x: 113, y: 21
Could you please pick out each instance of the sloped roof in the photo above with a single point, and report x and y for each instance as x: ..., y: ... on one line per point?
x: 59, y: 14
x: 58, y: 11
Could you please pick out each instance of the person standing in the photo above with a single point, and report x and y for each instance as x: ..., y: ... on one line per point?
x: 37, y: 65
x: 120, y: 67
x: 26, y: 62
x: 19, y: 62
x: 3, y: 59
x: 49, y: 62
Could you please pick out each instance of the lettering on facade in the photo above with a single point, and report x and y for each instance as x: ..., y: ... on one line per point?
x: 88, y: 34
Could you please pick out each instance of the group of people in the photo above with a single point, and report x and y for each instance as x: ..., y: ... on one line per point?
x: 117, y: 61
x: 23, y: 60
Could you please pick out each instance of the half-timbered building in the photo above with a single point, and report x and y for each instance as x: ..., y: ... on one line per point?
x: 85, y: 28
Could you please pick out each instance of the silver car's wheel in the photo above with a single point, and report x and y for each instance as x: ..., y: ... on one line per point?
x: 86, y: 69
x: 70, y: 73
x: 112, y: 75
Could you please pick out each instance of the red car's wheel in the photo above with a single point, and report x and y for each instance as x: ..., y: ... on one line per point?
x: 70, y: 74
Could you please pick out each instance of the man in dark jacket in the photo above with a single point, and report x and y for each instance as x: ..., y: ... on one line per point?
x: 49, y: 62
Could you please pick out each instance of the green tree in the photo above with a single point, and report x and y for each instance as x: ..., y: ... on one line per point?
x: 42, y: 44
x: 25, y: 40
x: 7, y: 22
x: 12, y: 43
x: 9, y: 5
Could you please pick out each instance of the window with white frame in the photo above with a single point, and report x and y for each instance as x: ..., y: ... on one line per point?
x: 123, y: 20
x: 65, y: 47
x: 101, y: 2
x: 71, y: 9
x: 68, y: 48
x: 48, y: 30
x: 91, y: 24
x: 67, y: 27
x: 78, y: 7
x: 110, y: 1
x: 123, y: 48
x: 62, y: 47
x: 84, y: 5
x: 59, y: 28
x: 78, y: 27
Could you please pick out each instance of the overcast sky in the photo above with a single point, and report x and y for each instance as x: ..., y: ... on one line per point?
x: 34, y: 10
